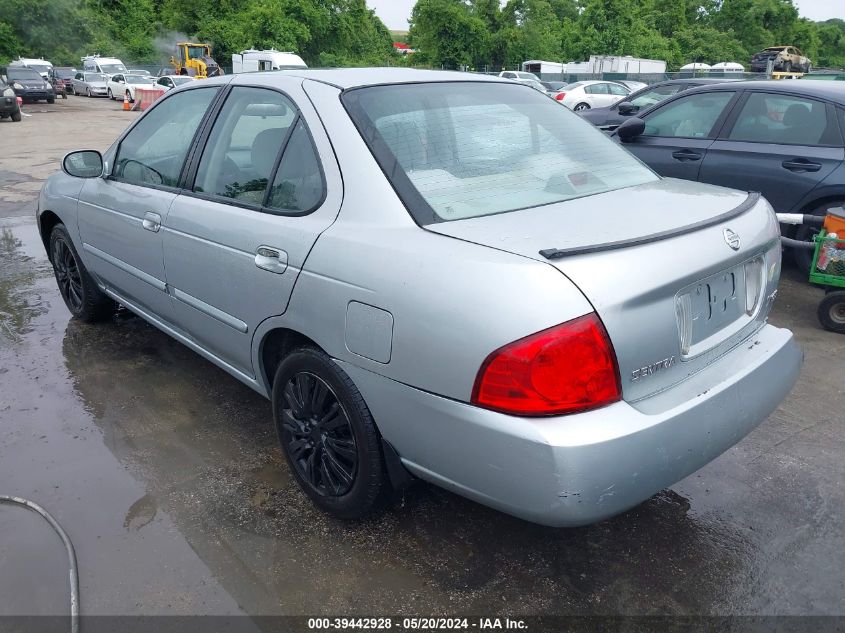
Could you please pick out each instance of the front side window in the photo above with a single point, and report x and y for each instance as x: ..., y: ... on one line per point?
x: 154, y: 151
x: 784, y: 119
x: 244, y: 143
x: 463, y: 150
x: 689, y: 117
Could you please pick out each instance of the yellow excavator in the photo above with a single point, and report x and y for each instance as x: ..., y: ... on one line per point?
x: 195, y: 60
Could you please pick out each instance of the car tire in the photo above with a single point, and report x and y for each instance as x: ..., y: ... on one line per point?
x: 17, y: 117
x: 787, y: 67
x: 79, y: 291
x: 832, y: 311
x: 808, y: 68
x: 581, y: 107
x: 88, y: 92
x: 803, y: 257
x: 321, y: 417
x: 111, y: 96
x: 51, y: 100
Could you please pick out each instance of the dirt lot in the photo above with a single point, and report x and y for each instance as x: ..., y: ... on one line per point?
x: 166, y: 474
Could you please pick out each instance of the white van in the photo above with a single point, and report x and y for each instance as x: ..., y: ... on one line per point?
x: 103, y: 65
x: 252, y: 60
x: 41, y: 65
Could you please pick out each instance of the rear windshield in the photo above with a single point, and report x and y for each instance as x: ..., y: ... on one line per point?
x: 463, y: 150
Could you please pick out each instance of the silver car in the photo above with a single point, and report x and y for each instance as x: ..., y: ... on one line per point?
x: 436, y: 275
x: 90, y: 84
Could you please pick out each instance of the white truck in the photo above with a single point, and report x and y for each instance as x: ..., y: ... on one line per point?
x: 252, y: 60
x: 104, y: 65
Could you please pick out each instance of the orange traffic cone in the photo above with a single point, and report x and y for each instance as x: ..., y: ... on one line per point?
x: 126, y: 101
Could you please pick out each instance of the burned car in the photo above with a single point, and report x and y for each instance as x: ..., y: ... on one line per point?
x: 787, y: 59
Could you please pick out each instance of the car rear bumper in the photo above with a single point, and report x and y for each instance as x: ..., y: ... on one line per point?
x: 575, y: 470
x: 8, y: 105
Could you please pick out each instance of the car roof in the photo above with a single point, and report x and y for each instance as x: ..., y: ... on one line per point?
x: 830, y: 90
x: 346, y: 78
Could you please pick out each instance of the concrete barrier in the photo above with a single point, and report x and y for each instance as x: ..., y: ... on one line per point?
x: 144, y: 97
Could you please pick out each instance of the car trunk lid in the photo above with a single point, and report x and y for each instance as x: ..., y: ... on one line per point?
x: 666, y: 265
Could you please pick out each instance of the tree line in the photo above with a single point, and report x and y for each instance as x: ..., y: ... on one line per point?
x: 478, y: 33
x: 445, y: 33
x: 323, y: 32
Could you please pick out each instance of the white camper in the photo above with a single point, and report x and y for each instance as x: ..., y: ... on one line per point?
x: 253, y: 60
x: 626, y: 64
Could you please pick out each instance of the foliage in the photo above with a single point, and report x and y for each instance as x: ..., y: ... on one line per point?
x: 336, y: 32
x: 478, y: 33
x: 447, y: 33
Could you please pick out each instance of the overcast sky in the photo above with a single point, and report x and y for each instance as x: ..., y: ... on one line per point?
x: 394, y: 13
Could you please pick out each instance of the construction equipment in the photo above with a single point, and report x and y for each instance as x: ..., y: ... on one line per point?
x: 195, y: 61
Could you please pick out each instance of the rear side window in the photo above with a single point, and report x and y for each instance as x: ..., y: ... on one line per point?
x: 692, y: 116
x: 154, y: 151
x: 244, y: 143
x: 597, y: 89
x: 463, y: 150
x: 782, y: 119
x: 298, y: 185
x: 617, y: 90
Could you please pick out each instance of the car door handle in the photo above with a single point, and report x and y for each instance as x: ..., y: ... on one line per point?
x: 799, y: 164
x: 152, y: 222
x: 685, y: 154
x: 270, y: 258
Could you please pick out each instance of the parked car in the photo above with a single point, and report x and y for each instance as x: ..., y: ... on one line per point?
x: 90, y: 84
x: 610, y: 117
x: 518, y: 74
x: 585, y: 95
x: 121, y: 85
x: 509, y: 371
x: 781, y: 138
x: 61, y: 78
x: 168, y: 82
x: 784, y: 58
x: 9, y: 106
x: 29, y: 85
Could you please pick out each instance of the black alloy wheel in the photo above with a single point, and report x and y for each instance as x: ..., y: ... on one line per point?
x: 68, y: 275
x: 328, y: 435
x: 78, y: 289
x: 317, y: 435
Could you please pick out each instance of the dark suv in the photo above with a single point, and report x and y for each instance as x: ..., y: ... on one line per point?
x: 61, y: 78
x: 29, y: 85
x: 9, y: 107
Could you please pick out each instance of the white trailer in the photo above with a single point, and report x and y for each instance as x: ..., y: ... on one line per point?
x: 625, y: 64
x: 252, y: 60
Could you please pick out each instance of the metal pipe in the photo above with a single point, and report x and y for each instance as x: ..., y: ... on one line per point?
x: 71, y: 554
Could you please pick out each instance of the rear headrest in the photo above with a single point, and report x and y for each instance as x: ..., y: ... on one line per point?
x: 265, y: 148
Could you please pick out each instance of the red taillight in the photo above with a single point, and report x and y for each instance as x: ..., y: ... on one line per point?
x: 565, y: 369
x: 559, y: 96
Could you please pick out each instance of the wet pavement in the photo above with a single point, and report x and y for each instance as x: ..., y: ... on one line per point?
x: 166, y: 474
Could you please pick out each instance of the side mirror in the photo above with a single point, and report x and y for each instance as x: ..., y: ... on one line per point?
x: 630, y: 129
x: 627, y: 108
x: 84, y: 163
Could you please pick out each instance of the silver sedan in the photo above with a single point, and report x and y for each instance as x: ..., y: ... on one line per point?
x: 437, y: 276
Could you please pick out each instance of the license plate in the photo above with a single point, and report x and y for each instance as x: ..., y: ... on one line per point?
x: 709, y: 306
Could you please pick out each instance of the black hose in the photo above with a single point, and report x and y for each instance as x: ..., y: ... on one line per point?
x: 788, y: 241
x: 71, y: 554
